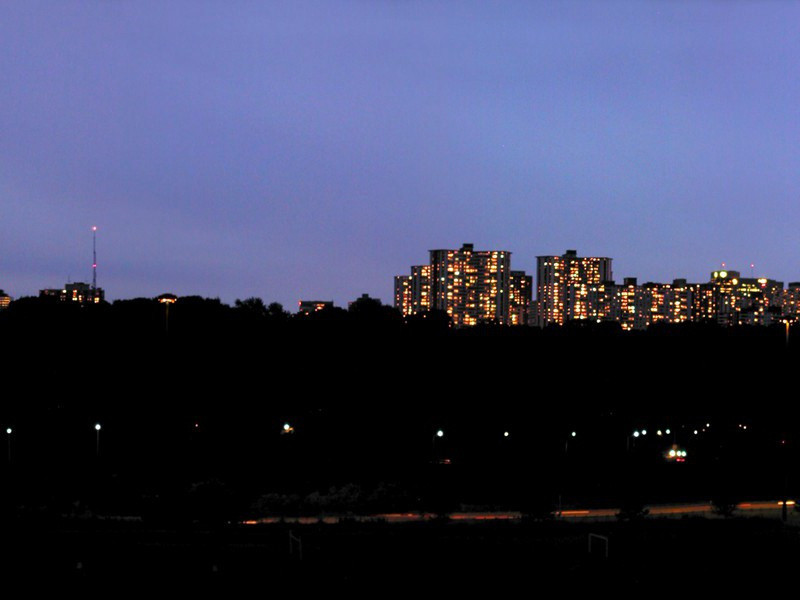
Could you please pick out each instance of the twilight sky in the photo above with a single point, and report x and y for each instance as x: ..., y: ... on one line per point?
x: 315, y: 149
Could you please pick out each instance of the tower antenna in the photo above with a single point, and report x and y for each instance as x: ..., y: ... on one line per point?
x: 94, y: 260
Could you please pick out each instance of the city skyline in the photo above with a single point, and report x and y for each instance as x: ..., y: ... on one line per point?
x: 475, y: 286
x: 302, y: 150
x: 294, y: 292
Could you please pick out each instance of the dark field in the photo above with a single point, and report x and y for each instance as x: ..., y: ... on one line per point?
x: 654, y: 555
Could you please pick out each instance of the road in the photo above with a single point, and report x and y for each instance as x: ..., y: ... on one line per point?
x: 766, y: 508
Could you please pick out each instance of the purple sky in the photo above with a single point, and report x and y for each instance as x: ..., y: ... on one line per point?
x: 314, y: 150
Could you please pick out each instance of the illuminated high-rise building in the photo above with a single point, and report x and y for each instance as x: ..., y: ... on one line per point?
x: 601, y: 297
x: 666, y: 302
x: 703, y: 302
x: 791, y: 300
x: 564, y: 286
x: 724, y: 284
x: 471, y: 286
x: 5, y: 300
x: 745, y: 301
x: 758, y: 301
x: 412, y: 293
x: 520, y: 293
x: 629, y: 305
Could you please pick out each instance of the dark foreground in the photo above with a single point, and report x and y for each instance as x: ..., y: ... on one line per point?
x: 689, y: 554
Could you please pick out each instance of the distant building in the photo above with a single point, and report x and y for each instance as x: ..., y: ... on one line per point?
x: 703, y: 302
x: 745, y: 301
x: 307, y: 307
x: 471, y: 286
x: 51, y: 294
x: 759, y: 301
x: 412, y: 293
x: 520, y: 293
x: 478, y: 287
x: 791, y: 299
x: 5, y: 300
x: 82, y: 293
x: 666, y: 302
x: 629, y: 305
x: 601, y: 298
x: 564, y: 287
x: 364, y: 298
x: 724, y: 285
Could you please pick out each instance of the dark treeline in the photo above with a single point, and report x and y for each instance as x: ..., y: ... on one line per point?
x: 210, y: 357
x: 197, y: 402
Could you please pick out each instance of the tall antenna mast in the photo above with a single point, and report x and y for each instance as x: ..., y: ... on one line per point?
x: 94, y: 258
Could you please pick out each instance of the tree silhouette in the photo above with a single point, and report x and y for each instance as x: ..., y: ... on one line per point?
x: 252, y: 306
x: 275, y: 312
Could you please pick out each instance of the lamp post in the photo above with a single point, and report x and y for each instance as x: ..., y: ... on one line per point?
x: 9, y: 431
x: 97, y: 428
x: 635, y: 435
x: 572, y: 434
x: 166, y: 300
x: 438, y: 434
x: 784, y: 514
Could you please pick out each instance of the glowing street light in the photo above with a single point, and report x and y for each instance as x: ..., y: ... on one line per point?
x: 438, y: 434
x: 166, y: 300
x: 97, y: 428
x: 635, y: 435
x: 8, y: 433
x: 572, y: 434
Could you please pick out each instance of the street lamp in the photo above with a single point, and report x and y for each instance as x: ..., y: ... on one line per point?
x: 564, y: 470
x: 636, y: 433
x: 8, y: 433
x: 166, y: 300
x: 572, y: 434
x: 438, y: 434
x: 97, y: 428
